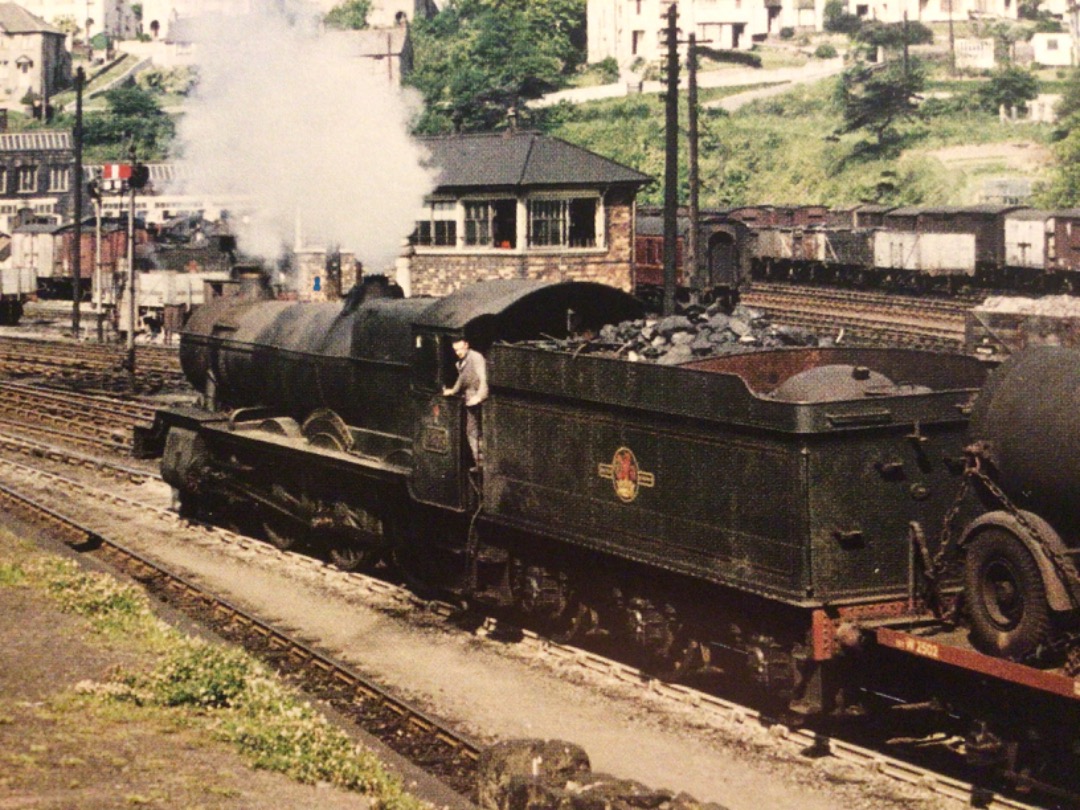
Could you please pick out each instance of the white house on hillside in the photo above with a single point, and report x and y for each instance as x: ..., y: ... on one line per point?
x: 1053, y: 50
x: 32, y: 57
x: 112, y: 17
x: 159, y: 15
x: 634, y: 29
x: 629, y: 30
x: 933, y: 11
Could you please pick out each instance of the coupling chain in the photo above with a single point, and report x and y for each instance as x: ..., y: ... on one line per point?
x: 948, y: 546
x: 1063, y: 564
x: 949, y: 542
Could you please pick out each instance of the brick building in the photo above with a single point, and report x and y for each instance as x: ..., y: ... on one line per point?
x: 35, y: 176
x: 523, y: 205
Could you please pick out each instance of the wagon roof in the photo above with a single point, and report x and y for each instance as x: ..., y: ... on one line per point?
x: 987, y: 208
x: 1034, y: 214
x: 497, y: 297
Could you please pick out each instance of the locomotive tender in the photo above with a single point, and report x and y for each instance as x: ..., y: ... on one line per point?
x: 776, y: 513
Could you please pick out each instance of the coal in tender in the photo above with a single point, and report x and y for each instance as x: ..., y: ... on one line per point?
x: 698, y: 333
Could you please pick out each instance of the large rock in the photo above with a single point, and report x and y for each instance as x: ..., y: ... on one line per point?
x: 555, y: 775
x: 546, y: 762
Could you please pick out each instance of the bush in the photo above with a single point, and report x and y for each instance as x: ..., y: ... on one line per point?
x: 787, y: 33
x: 838, y: 21
x: 734, y: 57
x: 825, y: 51
x: 1009, y: 87
x: 894, y: 35
x: 202, y: 675
x: 607, y: 70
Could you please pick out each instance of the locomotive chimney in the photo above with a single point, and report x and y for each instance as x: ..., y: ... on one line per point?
x: 254, y: 283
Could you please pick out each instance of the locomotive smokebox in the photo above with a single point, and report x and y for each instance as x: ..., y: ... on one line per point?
x: 1028, y: 414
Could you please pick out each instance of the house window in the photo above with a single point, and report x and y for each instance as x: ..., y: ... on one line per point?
x: 1051, y: 44
x: 27, y: 179
x: 636, y: 39
x: 437, y: 226
x: 24, y: 64
x: 491, y: 222
x: 3, y: 181
x: 563, y: 223
x: 58, y: 179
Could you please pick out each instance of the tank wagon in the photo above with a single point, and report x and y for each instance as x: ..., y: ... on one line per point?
x: 776, y: 514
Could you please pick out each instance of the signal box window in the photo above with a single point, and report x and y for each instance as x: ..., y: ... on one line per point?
x: 563, y: 223
x: 491, y: 223
x: 437, y: 227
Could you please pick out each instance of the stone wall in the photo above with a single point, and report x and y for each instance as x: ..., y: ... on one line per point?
x: 441, y: 273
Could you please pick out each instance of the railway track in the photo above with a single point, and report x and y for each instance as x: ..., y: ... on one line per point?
x: 438, y: 749
x: 90, y: 420
x: 865, y: 317
x: 156, y: 366
x: 343, y: 688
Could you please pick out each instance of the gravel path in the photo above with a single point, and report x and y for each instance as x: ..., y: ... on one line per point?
x: 502, y: 691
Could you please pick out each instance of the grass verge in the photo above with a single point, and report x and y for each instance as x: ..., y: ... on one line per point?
x: 220, y: 691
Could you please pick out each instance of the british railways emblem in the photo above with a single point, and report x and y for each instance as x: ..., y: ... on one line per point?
x: 625, y: 474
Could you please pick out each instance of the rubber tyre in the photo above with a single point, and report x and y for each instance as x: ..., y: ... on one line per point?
x: 1005, y: 596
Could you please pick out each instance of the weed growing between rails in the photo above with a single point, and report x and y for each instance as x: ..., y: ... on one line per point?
x: 220, y: 692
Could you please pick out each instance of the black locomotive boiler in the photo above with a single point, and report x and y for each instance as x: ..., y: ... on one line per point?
x: 777, y: 513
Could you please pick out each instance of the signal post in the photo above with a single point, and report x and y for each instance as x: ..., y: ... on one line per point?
x: 126, y: 178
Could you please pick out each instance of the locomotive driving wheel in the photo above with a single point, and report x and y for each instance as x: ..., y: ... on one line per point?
x: 324, y: 428
x: 1005, y: 595
x: 282, y: 532
x: 349, y: 550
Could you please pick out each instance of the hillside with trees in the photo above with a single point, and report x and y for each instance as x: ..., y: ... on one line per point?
x: 880, y: 132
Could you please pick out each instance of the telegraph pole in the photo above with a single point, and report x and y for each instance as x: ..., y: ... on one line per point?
x: 690, y: 255
x: 671, y: 161
x: 76, y: 259
x: 132, y: 304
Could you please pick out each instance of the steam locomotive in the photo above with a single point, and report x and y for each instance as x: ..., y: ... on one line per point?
x: 836, y: 524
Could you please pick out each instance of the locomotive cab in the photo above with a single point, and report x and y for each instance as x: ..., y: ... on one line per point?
x: 439, y: 446
x: 494, y: 312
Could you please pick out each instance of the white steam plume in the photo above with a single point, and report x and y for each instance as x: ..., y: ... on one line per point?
x: 287, y: 118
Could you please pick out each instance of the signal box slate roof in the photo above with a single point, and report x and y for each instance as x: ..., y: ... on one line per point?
x: 522, y: 159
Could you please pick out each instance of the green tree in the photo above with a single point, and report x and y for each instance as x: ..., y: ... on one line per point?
x: 893, y: 36
x: 1010, y: 86
x: 133, y: 117
x: 66, y: 23
x: 1068, y: 106
x: 1063, y: 190
x: 838, y: 20
x: 349, y: 16
x: 877, y: 97
x: 478, y: 59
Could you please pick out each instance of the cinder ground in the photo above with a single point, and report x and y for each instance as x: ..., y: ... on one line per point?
x: 60, y: 752
x: 497, y: 691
